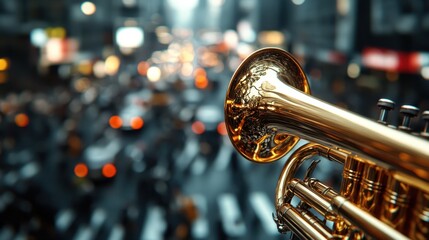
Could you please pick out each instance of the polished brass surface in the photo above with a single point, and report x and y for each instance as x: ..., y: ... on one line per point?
x: 268, y: 109
x: 371, y: 188
x: 420, y: 224
x: 322, y: 199
x: 301, y: 225
x: 396, y: 198
x: 352, y: 175
x: 251, y: 98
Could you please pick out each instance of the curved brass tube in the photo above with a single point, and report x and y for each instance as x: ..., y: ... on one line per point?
x: 331, y: 205
x: 267, y: 110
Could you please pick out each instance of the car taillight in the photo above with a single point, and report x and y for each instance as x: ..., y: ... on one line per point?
x: 108, y: 170
x: 221, y: 129
x: 81, y: 170
x: 115, y: 121
x: 136, y: 123
x: 22, y: 120
x: 198, y: 127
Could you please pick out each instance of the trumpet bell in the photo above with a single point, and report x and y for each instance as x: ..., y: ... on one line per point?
x: 251, y: 96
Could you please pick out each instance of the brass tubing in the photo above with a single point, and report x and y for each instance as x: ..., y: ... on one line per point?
x: 382, y: 144
x: 420, y: 222
x: 268, y: 109
x: 300, y: 225
x: 313, y: 199
x: 352, y: 174
x: 315, y: 222
x: 341, y: 226
x: 294, y: 162
x: 327, y: 192
x: 371, y: 188
x: 396, y: 199
x: 291, y: 167
x: 265, y: 113
x: 283, y: 194
x: 366, y: 222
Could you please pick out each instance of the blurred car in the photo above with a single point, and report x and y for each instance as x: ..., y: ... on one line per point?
x: 134, y: 113
x: 208, y: 124
x: 99, y: 160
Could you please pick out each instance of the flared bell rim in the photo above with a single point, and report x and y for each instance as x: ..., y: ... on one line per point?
x: 276, y: 57
x: 302, y: 85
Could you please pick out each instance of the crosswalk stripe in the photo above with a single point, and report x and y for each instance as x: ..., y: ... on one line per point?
x: 200, y: 227
x: 264, y: 208
x: 154, y: 225
x: 232, y: 219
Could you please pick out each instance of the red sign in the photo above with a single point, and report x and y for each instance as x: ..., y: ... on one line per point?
x: 390, y: 60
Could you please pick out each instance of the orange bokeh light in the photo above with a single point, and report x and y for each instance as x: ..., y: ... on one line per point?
x: 200, y: 72
x: 81, y: 170
x: 136, y: 123
x: 201, y: 81
x: 109, y: 170
x: 115, y: 122
x: 198, y: 127
x: 22, y: 120
x: 142, y: 68
x: 221, y: 129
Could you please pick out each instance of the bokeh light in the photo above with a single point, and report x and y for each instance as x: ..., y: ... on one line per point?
x: 154, y: 74
x: 198, y: 127
x: 81, y: 170
x: 221, y: 129
x: 136, y: 123
x: 109, y: 170
x: 22, y: 120
x: 142, y: 68
x: 353, y: 70
x: 425, y: 72
x: 112, y: 64
x: 88, y: 8
x: 4, y: 64
x: 115, y: 122
x: 201, y: 81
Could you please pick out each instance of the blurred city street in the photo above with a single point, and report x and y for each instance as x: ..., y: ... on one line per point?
x: 112, y: 112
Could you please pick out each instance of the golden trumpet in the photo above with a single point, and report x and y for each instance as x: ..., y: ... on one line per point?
x: 268, y: 108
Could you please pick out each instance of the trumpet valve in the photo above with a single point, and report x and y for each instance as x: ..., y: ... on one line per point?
x: 425, y: 117
x: 385, y: 106
x: 408, y: 112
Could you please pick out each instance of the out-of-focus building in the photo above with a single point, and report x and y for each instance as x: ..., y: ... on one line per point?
x: 379, y: 47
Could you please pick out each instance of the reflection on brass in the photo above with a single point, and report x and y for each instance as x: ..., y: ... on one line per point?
x: 396, y: 202
x: 268, y: 108
x: 420, y: 223
x: 372, y: 185
x: 352, y: 174
x: 251, y: 98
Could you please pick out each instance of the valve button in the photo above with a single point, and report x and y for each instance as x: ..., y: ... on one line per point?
x: 409, y: 112
x: 385, y: 106
x: 425, y: 117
